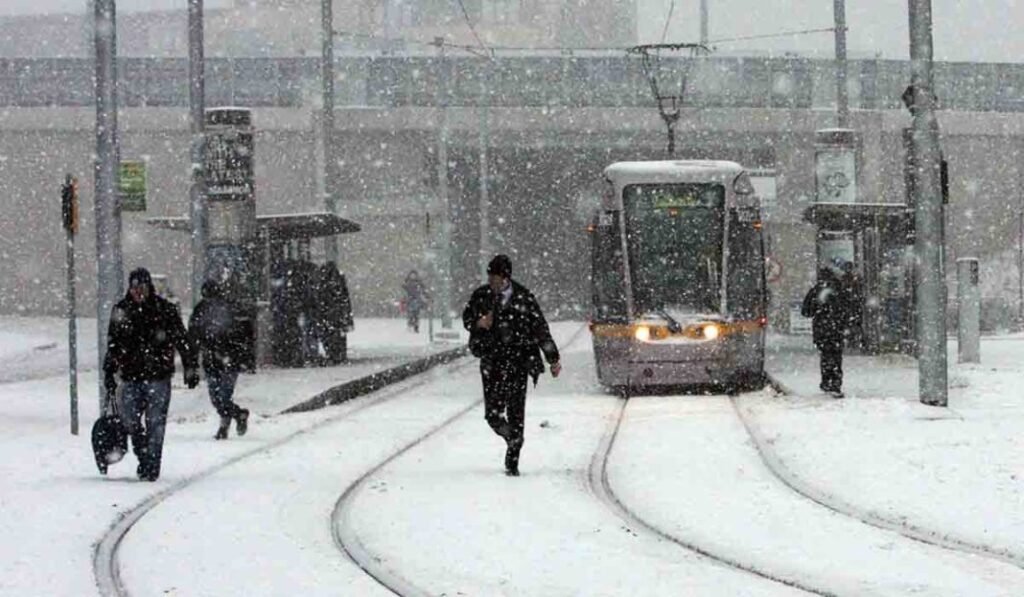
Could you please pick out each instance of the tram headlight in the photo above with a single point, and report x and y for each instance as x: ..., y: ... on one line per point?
x: 711, y: 331
x: 642, y: 333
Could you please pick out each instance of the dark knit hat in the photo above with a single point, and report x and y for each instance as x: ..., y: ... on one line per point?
x: 501, y: 265
x: 140, y: 276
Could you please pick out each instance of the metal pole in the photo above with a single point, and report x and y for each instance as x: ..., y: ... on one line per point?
x: 442, y: 189
x: 704, y: 23
x: 331, y: 183
x: 197, y: 110
x: 928, y: 213
x: 107, y: 211
x: 1020, y: 247
x: 842, y: 95
x: 69, y: 239
x: 485, y: 204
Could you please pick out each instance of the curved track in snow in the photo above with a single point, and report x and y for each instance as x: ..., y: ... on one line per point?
x: 106, y: 561
x: 932, y: 537
x: 600, y: 486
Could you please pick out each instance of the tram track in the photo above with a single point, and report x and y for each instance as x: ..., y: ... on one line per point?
x: 600, y: 486
x: 903, y: 527
x: 105, y: 558
x: 342, y: 529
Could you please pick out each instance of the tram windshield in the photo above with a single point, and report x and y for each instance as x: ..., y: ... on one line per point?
x: 674, y: 237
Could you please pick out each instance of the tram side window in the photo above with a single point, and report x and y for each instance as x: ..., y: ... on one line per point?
x: 608, y: 284
x: 746, y: 267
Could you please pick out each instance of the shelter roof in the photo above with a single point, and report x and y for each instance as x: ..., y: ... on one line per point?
x: 279, y: 226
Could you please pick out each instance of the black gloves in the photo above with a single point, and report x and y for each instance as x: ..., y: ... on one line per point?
x: 191, y: 378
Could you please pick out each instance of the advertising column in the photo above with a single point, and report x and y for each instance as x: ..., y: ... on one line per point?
x: 231, y: 254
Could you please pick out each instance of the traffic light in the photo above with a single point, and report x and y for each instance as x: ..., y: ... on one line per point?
x: 69, y: 204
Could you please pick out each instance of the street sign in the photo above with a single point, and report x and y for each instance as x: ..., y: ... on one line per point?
x: 131, y: 185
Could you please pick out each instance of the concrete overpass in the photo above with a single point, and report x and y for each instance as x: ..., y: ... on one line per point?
x: 549, y: 125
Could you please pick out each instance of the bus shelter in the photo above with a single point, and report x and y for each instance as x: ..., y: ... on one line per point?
x: 277, y: 286
x: 876, y: 240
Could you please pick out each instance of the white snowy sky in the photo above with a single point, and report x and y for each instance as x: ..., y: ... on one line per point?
x: 965, y: 30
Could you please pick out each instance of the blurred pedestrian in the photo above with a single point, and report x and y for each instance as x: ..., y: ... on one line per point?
x: 415, y: 299
x: 508, y: 333
x: 144, y: 332
x: 214, y: 331
x: 333, y: 313
x: 828, y: 305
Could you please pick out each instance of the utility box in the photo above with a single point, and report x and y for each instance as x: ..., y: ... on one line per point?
x: 968, y: 297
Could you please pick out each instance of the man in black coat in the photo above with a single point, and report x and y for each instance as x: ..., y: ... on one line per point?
x: 508, y: 333
x: 828, y: 304
x: 144, y: 332
x: 215, y: 332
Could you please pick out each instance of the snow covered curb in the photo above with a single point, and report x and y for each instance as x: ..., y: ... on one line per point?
x: 375, y: 381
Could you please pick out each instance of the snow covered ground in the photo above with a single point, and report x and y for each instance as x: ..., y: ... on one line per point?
x: 409, y: 479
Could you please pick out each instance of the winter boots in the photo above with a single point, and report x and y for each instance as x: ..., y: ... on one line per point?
x: 242, y: 422
x: 512, y: 457
x: 222, y: 431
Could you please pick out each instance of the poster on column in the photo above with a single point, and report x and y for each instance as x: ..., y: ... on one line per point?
x: 835, y: 175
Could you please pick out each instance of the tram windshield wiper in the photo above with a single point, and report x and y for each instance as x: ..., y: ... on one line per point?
x: 673, y: 326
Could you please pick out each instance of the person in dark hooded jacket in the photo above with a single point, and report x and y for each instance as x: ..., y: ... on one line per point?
x: 214, y: 331
x: 509, y: 334
x: 144, y: 332
x: 828, y: 306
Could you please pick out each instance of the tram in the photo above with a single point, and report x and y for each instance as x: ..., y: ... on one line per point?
x: 678, y: 277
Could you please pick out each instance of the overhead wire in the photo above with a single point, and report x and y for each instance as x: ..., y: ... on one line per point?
x: 472, y: 29
x: 491, y: 50
x: 770, y: 35
x: 664, y: 31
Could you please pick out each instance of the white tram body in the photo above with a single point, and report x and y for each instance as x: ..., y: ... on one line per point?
x: 678, y: 282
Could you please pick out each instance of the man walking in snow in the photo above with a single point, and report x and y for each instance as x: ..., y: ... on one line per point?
x: 144, y: 332
x: 222, y: 343
x: 828, y: 305
x: 508, y: 332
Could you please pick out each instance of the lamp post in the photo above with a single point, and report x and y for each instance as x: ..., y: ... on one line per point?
x: 197, y: 109
x: 107, y: 213
x: 330, y: 160
x: 928, y: 211
x: 842, y: 94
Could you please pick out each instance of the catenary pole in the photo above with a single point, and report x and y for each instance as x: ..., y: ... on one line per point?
x: 197, y: 109
x: 928, y: 212
x: 485, y: 203
x: 842, y: 94
x: 445, y: 254
x: 704, y: 23
x: 330, y: 159
x: 106, y: 210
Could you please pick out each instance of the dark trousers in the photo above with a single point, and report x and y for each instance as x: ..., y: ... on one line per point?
x: 505, y: 400
x: 221, y: 385
x: 831, y: 368
x: 145, y: 415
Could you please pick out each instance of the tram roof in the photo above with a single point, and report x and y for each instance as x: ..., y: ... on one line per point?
x: 672, y: 171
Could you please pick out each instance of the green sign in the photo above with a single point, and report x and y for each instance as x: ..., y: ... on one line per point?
x: 131, y: 185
